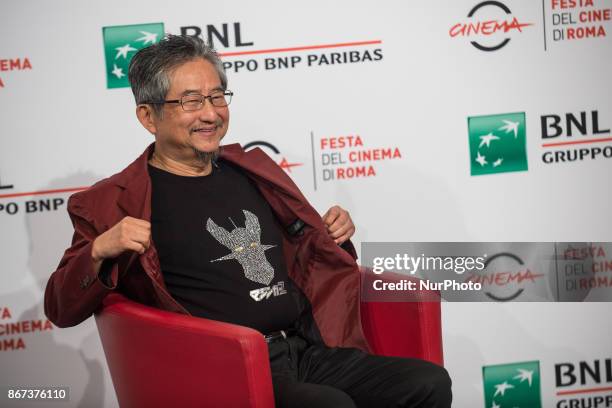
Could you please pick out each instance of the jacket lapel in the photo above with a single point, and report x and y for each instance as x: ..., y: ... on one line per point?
x: 135, y: 201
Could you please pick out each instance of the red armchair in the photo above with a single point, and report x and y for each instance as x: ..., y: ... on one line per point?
x: 162, y: 359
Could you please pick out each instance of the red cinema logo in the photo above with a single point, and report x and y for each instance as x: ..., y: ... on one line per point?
x: 490, y: 24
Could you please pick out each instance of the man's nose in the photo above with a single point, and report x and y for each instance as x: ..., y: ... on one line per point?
x: 208, y: 113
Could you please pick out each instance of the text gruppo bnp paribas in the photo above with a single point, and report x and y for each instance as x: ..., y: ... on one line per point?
x: 413, y: 264
x: 320, y: 59
x: 346, y: 157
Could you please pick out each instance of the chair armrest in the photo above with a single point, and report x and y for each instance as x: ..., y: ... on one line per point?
x: 158, y: 358
x: 402, y: 324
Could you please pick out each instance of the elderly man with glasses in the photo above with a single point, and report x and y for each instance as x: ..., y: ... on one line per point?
x: 225, y: 234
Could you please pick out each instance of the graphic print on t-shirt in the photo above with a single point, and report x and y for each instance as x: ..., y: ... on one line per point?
x: 268, y: 291
x: 246, y: 247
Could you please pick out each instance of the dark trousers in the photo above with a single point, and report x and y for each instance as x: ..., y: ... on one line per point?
x: 307, y: 375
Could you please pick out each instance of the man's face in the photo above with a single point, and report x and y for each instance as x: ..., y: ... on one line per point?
x: 178, y: 133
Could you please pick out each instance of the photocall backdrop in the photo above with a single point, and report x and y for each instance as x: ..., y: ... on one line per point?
x: 429, y: 121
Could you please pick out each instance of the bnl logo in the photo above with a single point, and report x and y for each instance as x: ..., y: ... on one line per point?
x: 497, y: 143
x: 120, y: 45
x: 514, y: 385
x: 122, y: 42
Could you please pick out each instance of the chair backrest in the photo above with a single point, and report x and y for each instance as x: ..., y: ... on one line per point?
x: 162, y: 359
x: 401, y: 323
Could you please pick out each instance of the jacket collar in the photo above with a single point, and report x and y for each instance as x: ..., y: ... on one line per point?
x: 135, y: 199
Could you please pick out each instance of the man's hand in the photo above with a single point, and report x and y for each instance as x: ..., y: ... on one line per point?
x: 129, y: 234
x: 339, y: 224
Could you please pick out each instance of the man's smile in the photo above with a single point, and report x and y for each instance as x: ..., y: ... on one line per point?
x: 206, y: 130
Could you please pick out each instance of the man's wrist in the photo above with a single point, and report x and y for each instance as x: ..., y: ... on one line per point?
x: 95, y: 256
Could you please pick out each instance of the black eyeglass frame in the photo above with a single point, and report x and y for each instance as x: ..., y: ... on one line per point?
x: 203, y: 99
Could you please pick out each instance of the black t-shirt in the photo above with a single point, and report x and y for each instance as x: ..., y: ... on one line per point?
x: 220, y: 248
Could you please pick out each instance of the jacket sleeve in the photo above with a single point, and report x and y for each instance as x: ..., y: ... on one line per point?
x: 74, y: 291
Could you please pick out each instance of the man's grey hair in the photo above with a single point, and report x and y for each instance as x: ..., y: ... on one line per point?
x: 150, y: 68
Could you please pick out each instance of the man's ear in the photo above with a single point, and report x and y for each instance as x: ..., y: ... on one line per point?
x: 147, y: 117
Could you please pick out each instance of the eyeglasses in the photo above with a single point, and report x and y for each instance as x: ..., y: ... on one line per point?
x: 194, y: 102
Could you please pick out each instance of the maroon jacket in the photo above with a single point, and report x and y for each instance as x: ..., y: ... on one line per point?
x: 326, y: 274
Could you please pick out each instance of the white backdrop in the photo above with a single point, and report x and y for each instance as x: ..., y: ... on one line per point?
x: 62, y: 129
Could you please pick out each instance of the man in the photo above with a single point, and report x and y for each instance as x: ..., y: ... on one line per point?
x: 234, y: 240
